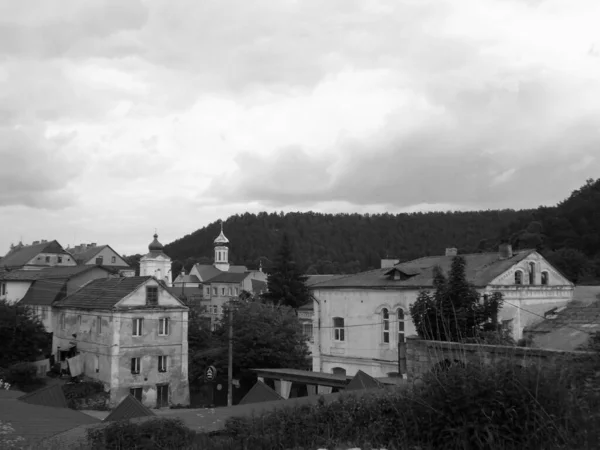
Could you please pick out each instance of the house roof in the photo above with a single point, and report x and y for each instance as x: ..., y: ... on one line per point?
x: 568, y: 329
x: 260, y: 392
x: 51, y: 395
x: 22, y: 255
x: 363, y: 381
x: 312, y: 279
x: 307, y: 307
x: 187, y: 279
x: 187, y: 292
x: 229, y: 277
x: 83, y: 256
x: 44, y: 292
x: 129, y: 408
x: 103, y: 293
x: 65, y: 272
x: 207, y: 271
x: 258, y: 285
x: 34, y: 423
x: 481, y: 269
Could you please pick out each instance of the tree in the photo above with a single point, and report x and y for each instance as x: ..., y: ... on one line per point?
x: 22, y: 335
x: 454, y: 311
x: 286, y: 285
x: 264, y: 336
x: 569, y: 261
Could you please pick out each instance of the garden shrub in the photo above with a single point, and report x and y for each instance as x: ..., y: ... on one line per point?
x: 82, y: 389
x: 24, y: 377
x: 165, y: 433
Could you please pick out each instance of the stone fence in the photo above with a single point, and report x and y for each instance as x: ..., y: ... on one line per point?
x: 422, y: 355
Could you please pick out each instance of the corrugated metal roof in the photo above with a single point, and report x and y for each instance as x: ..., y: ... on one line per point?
x: 129, y: 408
x: 481, y: 269
x: 363, y: 381
x: 260, y: 392
x: 52, y: 395
x: 44, y: 292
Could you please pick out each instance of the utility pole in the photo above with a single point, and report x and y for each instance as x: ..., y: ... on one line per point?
x: 230, y: 365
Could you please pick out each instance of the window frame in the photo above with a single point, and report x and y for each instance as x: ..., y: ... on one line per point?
x: 62, y: 321
x: 531, y: 273
x: 545, y: 278
x: 164, y: 326
x: 137, y: 330
x: 59, y: 259
x: 518, y: 277
x: 339, y: 327
x: 401, y: 325
x: 163, y: 365
x: 99, y: 324
x: 152, y: 299
x: 307, y: 330
x: 215, y: 291
x: 385, y: 324
x: 136, y: 361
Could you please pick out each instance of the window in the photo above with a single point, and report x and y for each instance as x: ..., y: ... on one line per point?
x: 163, y: 326
x: 47, y: 259
x: 237, y: 291
x: 99, y: 260
x: 338, y: 329
x: 151, y: 295
x: 229, y: 291
x: 531, y: 273
x: 223, y: 291
x: 2, y: 288
x: 44, y: 313
x: 79, y: 322
x: 113, y: 259
x: 307, y: 330
x: 385, y: 315
x: 215, y: 292
x: 59, y: 259
x: 135, y: 366
x: 214, y: 326
x: 545, y: 278
x: 137, y: 327
x: 338, y: 371
x: 97, y: 363
x: 136, y: 393
x: 208, y: 292
x: 99, y: 324
x: 518, y: 277
x: 400, y: 314
x: 162, y: 363
x: 62, y: 321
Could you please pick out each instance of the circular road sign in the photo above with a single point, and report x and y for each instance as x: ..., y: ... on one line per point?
x: 211, y: 373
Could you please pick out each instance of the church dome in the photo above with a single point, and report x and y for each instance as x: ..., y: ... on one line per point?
x: 155, y: 245
x: 221, y: 239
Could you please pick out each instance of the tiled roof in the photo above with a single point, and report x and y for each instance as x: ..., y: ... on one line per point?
x: 44, y: 292
x: 312, y: 279
x: 51, y: 395
x: 260, y: 392
x: 363, y: 381
x: 207, y: 271
x: 129, y: 408
x: 238, y: 269
x: 84, y: 256
x: 65, y: 272
x: 481, y: 269
x: 566, y: 330
x: 103, y: 293
x: 258, y: 286
x: 34, y: 423
x: 20, y: 257
x: 229, y: 277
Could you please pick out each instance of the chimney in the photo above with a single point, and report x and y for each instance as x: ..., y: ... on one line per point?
x: 451, y: 251
x: 35, y: 242
x: 44, y: 241
x: 93, y: 244
x: 505, y: 250
x: 83, y: 246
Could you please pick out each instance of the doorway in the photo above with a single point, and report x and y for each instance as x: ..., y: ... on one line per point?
x: 162, y: 395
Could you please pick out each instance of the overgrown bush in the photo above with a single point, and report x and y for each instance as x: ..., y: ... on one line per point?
x: 163, y: 433
x: 82, y: 389
x: 24, y: 377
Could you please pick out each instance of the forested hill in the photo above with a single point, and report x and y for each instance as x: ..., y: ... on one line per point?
x: 345, y: 243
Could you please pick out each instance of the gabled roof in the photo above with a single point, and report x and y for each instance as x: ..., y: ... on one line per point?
x: 363, y: 381
x: 568, y: 329
x: 83, y: 256
x: 260, y: 392
x: 481, y: 269
x: 44, y: 292
x: 207, y: 271
x: 64, y: 272
x: 229, y: 277
x: 103, y: 293
x: 129, y: 408
x: 312, y: 279
x: 51, y: 395
x: 186, y: 279
x: 21, y: 256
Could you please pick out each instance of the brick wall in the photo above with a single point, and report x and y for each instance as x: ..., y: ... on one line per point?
x: 423, y: 355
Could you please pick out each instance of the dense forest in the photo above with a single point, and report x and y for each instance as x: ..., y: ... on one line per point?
x: 568, y: 234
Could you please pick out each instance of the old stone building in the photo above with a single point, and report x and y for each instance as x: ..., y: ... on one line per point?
x: 132, y: 335
x: 360, y: 319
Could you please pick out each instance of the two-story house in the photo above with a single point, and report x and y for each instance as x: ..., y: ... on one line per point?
x: 132, y: 335
x: 38, y: 255
x: 360, y: 319
x: 101, y: 255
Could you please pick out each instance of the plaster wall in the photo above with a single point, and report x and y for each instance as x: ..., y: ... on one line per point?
x: 159, y: 267
x: 79, y: 281
x: 15, y: 290
x: 53, y: 260
x: 107, y: 254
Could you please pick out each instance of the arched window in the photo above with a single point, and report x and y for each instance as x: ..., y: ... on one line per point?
x: 400, y: 315
x: 385, y: 315
x: 531, y: 273
x: 338, y: 371
x: 519, y: 277
x: 338, y: 329
x: 545, y: 277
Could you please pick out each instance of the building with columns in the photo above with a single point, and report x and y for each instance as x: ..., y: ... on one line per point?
x: 156, y: 263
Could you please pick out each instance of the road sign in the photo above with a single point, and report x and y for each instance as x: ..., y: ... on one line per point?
x: 211, y: 373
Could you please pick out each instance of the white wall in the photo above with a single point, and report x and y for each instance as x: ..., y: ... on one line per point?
x: 15, y: 290
x: 155, y: 266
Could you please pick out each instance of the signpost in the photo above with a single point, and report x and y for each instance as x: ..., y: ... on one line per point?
x: 210, y: 374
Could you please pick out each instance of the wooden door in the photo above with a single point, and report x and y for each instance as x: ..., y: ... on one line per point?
x: 162, y: 395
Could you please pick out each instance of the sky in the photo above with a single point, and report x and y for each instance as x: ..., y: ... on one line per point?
x: 121, y: 117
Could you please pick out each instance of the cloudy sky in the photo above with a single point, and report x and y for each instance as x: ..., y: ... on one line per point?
x: 121, y: 116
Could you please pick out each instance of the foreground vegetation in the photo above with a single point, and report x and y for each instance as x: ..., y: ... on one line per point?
x: 474, y: 407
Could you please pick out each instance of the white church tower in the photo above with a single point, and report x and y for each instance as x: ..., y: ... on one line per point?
x: 156, y: 263
x: 221, y: 251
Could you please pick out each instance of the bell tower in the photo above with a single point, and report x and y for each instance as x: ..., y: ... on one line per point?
x: 221, y: 244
